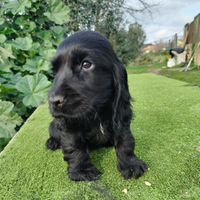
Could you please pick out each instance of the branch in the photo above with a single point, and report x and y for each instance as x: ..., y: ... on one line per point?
x: 102, y: 14
x: 143, y: 7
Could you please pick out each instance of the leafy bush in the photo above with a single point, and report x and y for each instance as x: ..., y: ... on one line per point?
x: 145, y: 59
x: 8, y: 119
x: 29, y: 33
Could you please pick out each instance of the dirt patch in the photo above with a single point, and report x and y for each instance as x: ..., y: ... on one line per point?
x: 156, y: 71
x: 175, y: 69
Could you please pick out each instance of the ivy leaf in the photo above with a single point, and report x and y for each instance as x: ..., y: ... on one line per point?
x: 36, y: 45
x: 23, y: 43
x: 1, y: 21
x: 44, y: 35
x: 2, y: 9
x: 58, y: 31
x: 8, y: 47
x: 34, y: 49
x: 59, y: 12
x: 48, y: 53
x: 3, y: 143
x: 57, y: 41
x: 18, y: 68
x: 21, y: 20
x: 32, y: 26
x: 14, y: 79
x: 20, y: 108
x: 8, y: 119
x: 47, y: 44
x: 2, y: 38
x: 5, y: 89
x: 18, y: 6
x: 36, y: 64
x: 6, y: 30
x: 40, y: 19
x: 34, y: 88
x: 6, y: 65
x: 2, y: 80
x: 5, y: 53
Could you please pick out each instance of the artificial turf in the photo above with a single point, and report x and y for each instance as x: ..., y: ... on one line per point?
x: 167, y: 133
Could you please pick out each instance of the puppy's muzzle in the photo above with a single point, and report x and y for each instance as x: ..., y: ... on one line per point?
x: 56, y: 101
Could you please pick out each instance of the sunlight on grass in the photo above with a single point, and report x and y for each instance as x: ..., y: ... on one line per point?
x: 167, y: 134
x: 139, y: 69
x: 191, y: 76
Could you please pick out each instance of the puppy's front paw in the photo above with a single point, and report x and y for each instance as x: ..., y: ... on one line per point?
x: 52, y: 144
x: 88, y: 174
x: 135, y: 168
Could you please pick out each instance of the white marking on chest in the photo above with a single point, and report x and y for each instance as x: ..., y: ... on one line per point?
x: 101, y: 128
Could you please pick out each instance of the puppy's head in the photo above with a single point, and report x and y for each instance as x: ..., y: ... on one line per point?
x: 87, y: 75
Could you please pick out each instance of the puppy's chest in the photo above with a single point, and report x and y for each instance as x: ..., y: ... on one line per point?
x: 97, y: 135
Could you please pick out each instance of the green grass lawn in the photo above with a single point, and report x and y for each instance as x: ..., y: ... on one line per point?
x: 191, y: 76
x: 138, y: 69
x: 167, y: 133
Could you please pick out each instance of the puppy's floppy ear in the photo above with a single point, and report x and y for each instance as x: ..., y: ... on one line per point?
x: 121, y: 106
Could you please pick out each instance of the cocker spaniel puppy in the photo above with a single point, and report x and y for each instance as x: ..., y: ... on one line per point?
x: 90, y: 103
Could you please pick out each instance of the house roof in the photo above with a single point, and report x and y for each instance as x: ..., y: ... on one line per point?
x: 149, y: 48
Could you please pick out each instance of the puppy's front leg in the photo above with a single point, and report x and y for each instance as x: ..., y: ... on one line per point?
x: 53, y: 142
x: 127, y: 162
x: 76, y: 153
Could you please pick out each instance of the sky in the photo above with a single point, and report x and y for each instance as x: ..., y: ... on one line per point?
x: 168, y: 20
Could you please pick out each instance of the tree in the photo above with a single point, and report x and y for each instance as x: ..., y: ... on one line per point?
x: 107, y: 17
x: 128, y: 43
x: 135, y: 40
x: 88, y: 14
x: 141, y: 7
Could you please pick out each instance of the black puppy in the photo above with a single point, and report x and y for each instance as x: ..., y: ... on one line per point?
x: 90, y: 102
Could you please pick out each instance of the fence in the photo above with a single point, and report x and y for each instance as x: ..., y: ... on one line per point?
x: 190, y: 40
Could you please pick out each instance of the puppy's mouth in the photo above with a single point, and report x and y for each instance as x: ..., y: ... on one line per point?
x: 70, y: 108
x: 58, y: 104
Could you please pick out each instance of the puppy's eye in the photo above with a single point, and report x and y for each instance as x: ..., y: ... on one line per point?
x: 86, y: 65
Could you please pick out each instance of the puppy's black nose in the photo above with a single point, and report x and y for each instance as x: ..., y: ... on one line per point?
x: 56, y: 101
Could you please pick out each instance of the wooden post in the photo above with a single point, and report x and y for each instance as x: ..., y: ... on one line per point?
x: 175, y: 40
x: 169, y: 46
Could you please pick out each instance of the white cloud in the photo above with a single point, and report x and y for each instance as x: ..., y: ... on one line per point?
x: 170, y: 19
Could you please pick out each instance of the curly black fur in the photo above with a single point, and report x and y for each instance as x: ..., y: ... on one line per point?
x: 91, y: 106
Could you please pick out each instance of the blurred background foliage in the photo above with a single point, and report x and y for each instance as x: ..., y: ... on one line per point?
x: 30, y: 31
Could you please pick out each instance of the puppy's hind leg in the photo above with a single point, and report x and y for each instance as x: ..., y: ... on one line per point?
x: 53, y: 142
